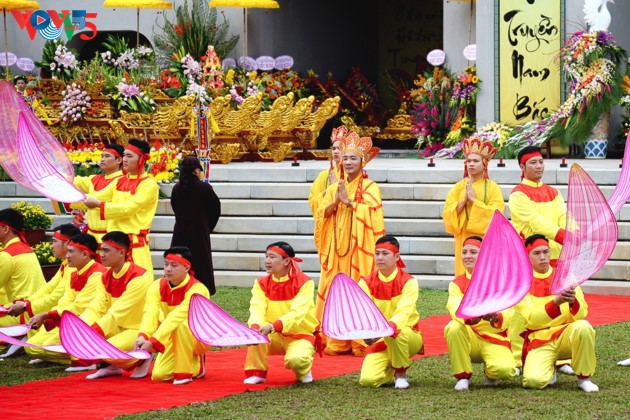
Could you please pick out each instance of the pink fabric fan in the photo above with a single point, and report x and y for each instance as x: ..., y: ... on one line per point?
x: 621, y: 194
x: 213, y: 326
x: 39, y: 174
x: 83, y: 342
x: 591, y: 232
x: 4, y: 338
x: 16, y: 330
x: 350, y: 314
x: 502, y: 275
x: 11, y: 104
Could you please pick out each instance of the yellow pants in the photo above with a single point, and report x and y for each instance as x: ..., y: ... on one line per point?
x: 517, y: 326
x: 379, y: 368
x: 465, y: 348
x: 142, y: 257
x: 577, y: 342
x: 7, y: 321
x: 298, y: 356
x: 123, y: 340
x: 46, y: 338
x: 182, y: 357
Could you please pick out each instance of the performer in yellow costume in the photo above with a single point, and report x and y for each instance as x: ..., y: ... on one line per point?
x: 555, y: 326
x: 164, y: 328
x: 77, y: 296
x: 111, y: 159
x: 476, y: 340
x: 471, y: 203
x: 328, y: 176
x: 535, y: 207
x: 20, y: 273
x: 348, y: 222
x: 395, y: 293
x: 129, y: 204
x: 47, y: 296
x: 116, y: 310
x: 282, y: 308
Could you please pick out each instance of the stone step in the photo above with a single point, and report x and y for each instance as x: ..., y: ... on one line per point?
x: 418, y: 265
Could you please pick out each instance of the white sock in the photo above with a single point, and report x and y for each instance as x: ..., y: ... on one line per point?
x: 462, y: 385
x: 587, y: 385
x: 253, y: 380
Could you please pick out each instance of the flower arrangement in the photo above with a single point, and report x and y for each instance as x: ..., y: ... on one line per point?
x: 35, y: 218
x: 44, y: 253
x: 164, y: 164
x: 58, y: 61
x: 278, y: 83
x: 85, y: 159
x: 495, y: 132
x: 76, y: 104
x: 465, y: 89
x: 131, y: 98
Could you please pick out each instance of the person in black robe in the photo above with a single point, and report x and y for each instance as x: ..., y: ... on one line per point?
x: 197, y: 210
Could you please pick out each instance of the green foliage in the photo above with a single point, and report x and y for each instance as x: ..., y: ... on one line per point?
x: 35, y: 218
x: 195, y: 28
x: 115, y: 44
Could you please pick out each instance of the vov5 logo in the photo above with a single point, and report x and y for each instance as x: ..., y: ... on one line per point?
x: 50, y: 24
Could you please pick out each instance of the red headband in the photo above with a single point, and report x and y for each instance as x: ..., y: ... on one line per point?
x: 178, y: 259
x: 282, y: 253
x: 538, y: 242
x: 114, y: 245
x: 19, y: 233
x: 392, y: 248
x: 112, y: 151
x: 472, y: 241
x: 82, y: 247
x: 528, y: 156
x: 60, y: 236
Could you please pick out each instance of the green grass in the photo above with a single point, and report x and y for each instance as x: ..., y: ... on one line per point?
x: 431, y: 394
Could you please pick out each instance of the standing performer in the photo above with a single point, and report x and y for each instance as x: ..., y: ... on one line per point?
x: 471, y: 203
x: 556, y: 327
x: 129, y: 204
x: 164, y: 328
x: 328, y: 176
x: 282, y: 309
x: 197, y: 210
x: 476, y: 340
x: 111, y: 160
x: 348, y: 222
x: 395, y: 293
x: 535, y: 207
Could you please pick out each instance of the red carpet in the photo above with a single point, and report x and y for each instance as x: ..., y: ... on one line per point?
x: 75, y: 397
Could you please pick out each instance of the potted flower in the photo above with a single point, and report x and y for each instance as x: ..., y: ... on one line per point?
x: 36, y: 221
x: 49, y: 263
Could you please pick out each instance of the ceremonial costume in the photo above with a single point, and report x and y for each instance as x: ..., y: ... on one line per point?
x: 91, y: 186
x: 395, y: 296
x: 128, y: 205
x: 287, y: 304
x: 537, y: 208
x: 78, y: 294
x: 475, y: 218
x: 20, y: 274
x: 116, y: 310
x: 345, y: 239
x: 483, y: 342
x: 197, y: 210
x: 554, y: 333
x: 165, y: 324
x: 319, y: 186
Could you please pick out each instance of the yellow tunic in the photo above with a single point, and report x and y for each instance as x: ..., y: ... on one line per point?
x: 48, y: 296
x: 318, y: 189
x: 128, y: 205
x: 20, y: 273
x: 537, y: 208
x: 475, y: 218
x: 92, y: 185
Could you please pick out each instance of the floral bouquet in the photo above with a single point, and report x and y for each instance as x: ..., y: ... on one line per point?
x: 58, y: 61
x: 278, y: 83
x: 44, y: 253
x: 85, y: 159
x: 35, y: 218
x: 465, y: 89
x: 76, y: 104
x: 495, y: 132
x: 164, y: 163
x: 131, y: 98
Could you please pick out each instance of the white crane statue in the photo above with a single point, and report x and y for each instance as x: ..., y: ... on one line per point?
x: 596, y: 14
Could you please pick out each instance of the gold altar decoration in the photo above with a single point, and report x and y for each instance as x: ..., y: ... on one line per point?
x: 287, y: 129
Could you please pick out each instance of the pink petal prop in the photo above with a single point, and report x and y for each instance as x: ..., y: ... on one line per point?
x: 213, y: 326
x: 58, y: 348
x: 591, y: 232
x: 503, y: 272
x: 83, y: 342
x: 39, y: 174
x: 350, y: 314
x: 621, y: 194
x: 17, y: 330
x: 11, y: 104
